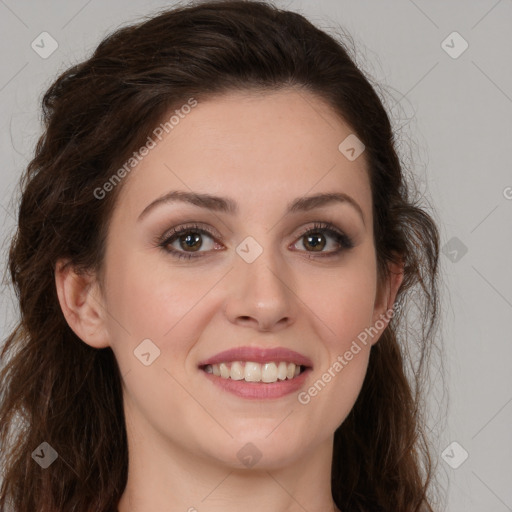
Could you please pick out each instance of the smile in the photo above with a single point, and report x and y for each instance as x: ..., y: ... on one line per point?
x: 251, y: 371
x: 257, y: 373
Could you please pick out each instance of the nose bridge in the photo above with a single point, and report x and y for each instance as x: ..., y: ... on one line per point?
x: 260, y: 290
x: 266, y: 274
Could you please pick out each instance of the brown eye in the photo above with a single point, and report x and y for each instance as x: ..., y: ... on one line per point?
x: 190, y: 241
x: 186, y: 242
x: 316, y: 241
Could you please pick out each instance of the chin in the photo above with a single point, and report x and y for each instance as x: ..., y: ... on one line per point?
x: 260, y: 453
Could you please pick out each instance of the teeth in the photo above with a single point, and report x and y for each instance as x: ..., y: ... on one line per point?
x: 237, y: 371
x: 254, y: 372
x: 269, y: 372
x: 224, y: 370
x: 282, y: 370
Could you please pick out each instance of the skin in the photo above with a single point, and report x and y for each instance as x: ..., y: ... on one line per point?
x: 262, y: 151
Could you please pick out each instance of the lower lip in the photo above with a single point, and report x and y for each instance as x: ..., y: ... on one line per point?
x: 259, y: 390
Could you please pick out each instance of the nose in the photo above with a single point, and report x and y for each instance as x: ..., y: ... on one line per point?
x: 261, y: 294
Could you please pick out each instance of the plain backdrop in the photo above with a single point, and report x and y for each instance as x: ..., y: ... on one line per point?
x: 445, y: 69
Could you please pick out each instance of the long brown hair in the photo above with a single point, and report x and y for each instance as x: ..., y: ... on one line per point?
x: 59, y: 390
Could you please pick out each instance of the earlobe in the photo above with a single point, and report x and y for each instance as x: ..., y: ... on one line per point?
x: 81, y: 304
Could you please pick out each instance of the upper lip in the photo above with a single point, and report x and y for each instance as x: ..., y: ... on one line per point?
x: 258, y: 355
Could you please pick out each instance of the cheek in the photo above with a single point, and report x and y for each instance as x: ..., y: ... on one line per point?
x: 344, y: 313
x: 342, y: 300
x: 150, y: 301
x: 342, y: 303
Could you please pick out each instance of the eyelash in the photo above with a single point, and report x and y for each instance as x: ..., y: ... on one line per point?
x: 319, y: 227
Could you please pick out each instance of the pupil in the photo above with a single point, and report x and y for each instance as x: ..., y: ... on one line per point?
x: 192, y: 240
x: 317, y: 243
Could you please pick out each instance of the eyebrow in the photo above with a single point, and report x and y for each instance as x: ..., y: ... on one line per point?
x: 227, y: 205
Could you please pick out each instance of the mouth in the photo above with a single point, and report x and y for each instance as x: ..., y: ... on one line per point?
x: 252, y: 372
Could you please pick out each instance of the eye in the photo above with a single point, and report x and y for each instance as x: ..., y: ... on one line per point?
x: 314, y: 238
x: 187, y: 240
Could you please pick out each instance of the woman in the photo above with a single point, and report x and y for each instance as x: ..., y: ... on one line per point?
x: 214, y: 242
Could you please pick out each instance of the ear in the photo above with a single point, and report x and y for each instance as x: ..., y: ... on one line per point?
x: 386, y: 295
x: 82, y: 304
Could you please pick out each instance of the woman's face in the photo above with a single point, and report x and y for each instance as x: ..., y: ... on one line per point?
x: 254, y: 281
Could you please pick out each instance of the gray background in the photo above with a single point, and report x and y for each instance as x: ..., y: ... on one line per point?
x: 454, y: 118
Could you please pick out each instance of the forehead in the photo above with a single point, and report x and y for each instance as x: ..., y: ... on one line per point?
x: 252, y: 146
